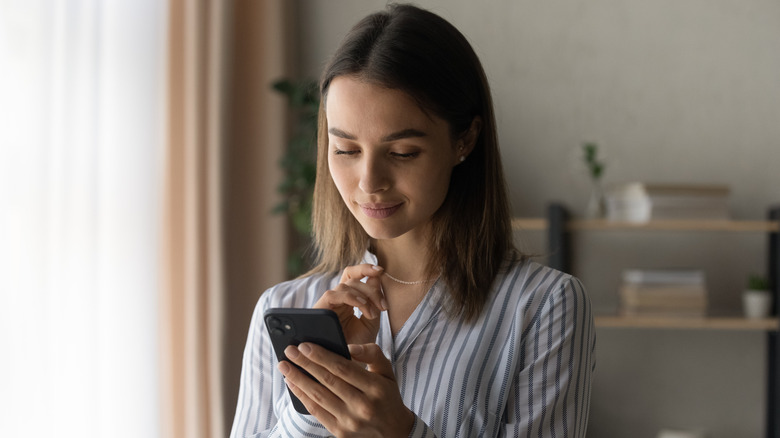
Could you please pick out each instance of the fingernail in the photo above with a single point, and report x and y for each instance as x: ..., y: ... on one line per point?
x: 361, y: 299
x: 305, y: 349
x: 284, y: 367
x: 377, y: 268
x: 384, y: 304
x: 355, y: 349
x: 291, y: 352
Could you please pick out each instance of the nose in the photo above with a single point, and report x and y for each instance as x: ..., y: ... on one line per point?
x: 374, y: 176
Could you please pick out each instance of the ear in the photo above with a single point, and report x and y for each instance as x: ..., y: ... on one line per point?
x: 467, y: 141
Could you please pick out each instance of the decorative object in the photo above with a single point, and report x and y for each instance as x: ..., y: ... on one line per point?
x: 596, y: 207
x: 628, y: 203
x: 299, y: 164
x: 757, y: 299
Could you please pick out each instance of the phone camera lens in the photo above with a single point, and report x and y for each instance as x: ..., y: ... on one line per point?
x: 277, y: 332
x: 274, y: 322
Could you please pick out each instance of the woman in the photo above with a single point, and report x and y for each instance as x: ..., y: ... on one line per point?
x: 455, y: 333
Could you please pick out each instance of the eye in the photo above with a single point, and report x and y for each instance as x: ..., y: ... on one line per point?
x: 407, y: 155
x: 345, y: 152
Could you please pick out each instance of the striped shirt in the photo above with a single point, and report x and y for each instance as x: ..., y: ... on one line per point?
x: 522, y: 369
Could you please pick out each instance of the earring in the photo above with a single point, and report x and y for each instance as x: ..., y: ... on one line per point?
x: 462, y: 158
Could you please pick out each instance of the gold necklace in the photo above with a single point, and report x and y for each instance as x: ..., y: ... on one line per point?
x: 409, y: 282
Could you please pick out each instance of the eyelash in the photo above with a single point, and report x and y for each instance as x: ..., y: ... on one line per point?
x: 407, y: 155
x: 394, y: 154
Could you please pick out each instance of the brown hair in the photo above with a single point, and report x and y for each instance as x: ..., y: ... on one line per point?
x: 420, y: 53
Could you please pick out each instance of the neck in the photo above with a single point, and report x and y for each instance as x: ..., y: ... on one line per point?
x: 404, y: 259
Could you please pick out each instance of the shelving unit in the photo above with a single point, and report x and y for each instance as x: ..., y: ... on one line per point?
x: 710, y: 323
x: 559, y: 227
x: 665, y: 225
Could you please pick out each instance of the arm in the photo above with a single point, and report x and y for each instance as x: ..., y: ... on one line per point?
x: 551, y: 393
x: 263, y: 408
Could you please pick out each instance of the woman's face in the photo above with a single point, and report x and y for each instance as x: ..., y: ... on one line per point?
x: 390, y: 161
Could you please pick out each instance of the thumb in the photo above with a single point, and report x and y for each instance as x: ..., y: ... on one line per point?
x: 357, y: 272
x: 371, y: 355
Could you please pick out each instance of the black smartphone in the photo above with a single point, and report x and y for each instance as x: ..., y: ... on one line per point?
x: 294, y: 326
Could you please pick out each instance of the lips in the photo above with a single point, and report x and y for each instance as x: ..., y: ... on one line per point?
x: 379, y: 211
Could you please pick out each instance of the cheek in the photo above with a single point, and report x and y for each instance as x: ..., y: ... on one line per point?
x: 340, y: 179
x: 435, y: 185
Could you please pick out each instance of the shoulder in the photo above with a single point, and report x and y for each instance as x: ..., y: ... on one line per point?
x: 534, y: 287
x: 298, y: 293
x: 527, y: 275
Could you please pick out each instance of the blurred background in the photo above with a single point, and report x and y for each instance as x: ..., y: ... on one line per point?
x: 142, y: 148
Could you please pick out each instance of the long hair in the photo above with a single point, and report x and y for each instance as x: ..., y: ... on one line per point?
x: 417, y: 52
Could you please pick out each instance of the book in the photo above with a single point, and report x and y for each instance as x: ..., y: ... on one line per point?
x: 663, y: 297
x: 668, y: 201
x: 664, y: 276
x: 663, y: 292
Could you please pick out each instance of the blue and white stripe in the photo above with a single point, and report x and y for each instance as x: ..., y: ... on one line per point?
x: 523, y: 369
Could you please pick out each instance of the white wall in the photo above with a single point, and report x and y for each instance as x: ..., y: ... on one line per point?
x: 674, y: 91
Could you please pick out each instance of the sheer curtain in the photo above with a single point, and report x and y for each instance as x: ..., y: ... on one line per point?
x: 82, y: 98
x: 139, y: 142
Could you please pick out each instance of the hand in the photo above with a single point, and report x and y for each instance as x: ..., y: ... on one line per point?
x: 351, y: 293
x: 349, y: 400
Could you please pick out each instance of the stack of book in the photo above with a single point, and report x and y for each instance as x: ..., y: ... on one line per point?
x: 688, y: 201
x: 668, y: 292
x: 641, y: 202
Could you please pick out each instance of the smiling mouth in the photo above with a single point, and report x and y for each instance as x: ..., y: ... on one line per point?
x: 379, y: 211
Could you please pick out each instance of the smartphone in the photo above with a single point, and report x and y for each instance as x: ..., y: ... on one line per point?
x: 294, y: 326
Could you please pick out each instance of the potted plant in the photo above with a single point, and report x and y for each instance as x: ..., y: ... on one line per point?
x: 299, y: 164
x: 595, y: 208
x: 757, y: 299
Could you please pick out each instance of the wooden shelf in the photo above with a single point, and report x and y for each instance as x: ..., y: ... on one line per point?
x: 712, y: 323
x: 529, y: 224
x: 535, y: 224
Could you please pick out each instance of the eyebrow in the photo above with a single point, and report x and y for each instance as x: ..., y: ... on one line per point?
x: 399, y: 135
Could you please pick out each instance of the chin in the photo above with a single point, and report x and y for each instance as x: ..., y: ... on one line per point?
x: 381, y: 233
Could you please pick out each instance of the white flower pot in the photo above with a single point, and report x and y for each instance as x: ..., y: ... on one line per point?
x: 757, y: 303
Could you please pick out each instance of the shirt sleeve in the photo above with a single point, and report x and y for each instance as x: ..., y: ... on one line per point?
x: 420, y: 429
x: 551, y: 393
x: 263, y: 408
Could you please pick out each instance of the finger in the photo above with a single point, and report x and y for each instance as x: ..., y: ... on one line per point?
x: 293, y: 374
x: 371, y: 289
x: 358, y: 272
x: 319, y: 394
x: 333, y: 394
x: 368, y: 274
x: 372, y: 355
x: 344, y: 294
x: 344, y: 378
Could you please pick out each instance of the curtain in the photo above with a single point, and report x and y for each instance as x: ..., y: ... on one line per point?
x: 222, y: 246
x: 138, y: 166
x: 192, y: 300
x: 82, y: 111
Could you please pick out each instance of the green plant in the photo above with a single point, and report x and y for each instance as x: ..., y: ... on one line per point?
x: 757, y: 282
x: 590, y: 155
x: 299, y: 164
